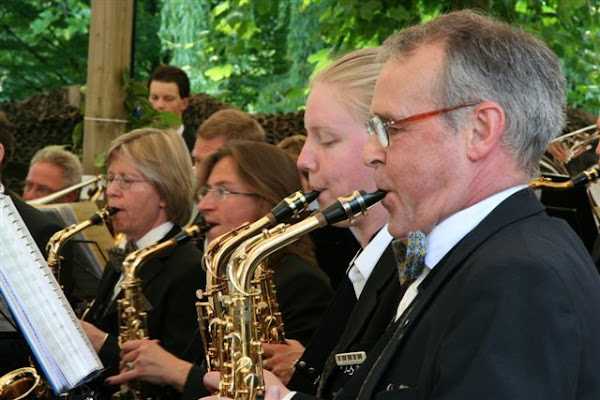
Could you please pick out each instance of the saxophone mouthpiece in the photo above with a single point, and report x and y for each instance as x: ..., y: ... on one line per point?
x: 293, y: 204
x: 196, y: 228
x: 587, y: 176
x: 99, y: 217
x: 351, y: 206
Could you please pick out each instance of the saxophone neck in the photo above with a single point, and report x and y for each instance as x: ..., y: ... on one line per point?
x: 583, y: 178
x: 241, y: 270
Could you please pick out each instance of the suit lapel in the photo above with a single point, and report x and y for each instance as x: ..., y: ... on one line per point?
x: 384, y: 271
x: 518, y: 206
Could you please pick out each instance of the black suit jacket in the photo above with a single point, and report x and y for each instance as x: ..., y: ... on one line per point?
x: 512, y: 312
x: 303, y: 294
x: 170, y: 281
x: 362, y: 328
x: 189, y: 137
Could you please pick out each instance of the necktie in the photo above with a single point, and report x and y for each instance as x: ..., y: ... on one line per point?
x: 117, y: 255
x: 410, y: 257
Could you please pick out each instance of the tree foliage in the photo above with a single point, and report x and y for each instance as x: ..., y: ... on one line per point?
x: 44, y: 44
x: 260, y: 54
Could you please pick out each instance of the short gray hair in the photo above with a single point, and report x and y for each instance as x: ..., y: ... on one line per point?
x: 490, y: 60
x: 67, y: 161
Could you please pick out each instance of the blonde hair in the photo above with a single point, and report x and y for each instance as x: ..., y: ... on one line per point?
x: 353, y: 75
x: 163, y: 159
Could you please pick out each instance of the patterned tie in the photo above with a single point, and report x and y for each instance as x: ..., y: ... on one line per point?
x: 410, y: 257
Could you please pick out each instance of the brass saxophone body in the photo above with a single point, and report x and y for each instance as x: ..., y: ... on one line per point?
x: 214, y: 301
x: 132, y: 306
x: 269, y: 319
x: 243, y: 377
x: 58, y: 239
x: 23, y: 383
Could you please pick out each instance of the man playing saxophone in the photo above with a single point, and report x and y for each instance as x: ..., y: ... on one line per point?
x: 153, y: 201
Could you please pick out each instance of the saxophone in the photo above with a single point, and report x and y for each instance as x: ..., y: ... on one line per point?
x: 214, y: 300
x: 242, y: 377
x: 583, y: 178
x: 59, y: 238
x: 132, y: 306
x: 24, y: 383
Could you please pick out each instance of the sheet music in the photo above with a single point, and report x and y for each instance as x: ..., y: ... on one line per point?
x: 40, y: 308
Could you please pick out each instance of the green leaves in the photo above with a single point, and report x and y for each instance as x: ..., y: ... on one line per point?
x: 219, y: 72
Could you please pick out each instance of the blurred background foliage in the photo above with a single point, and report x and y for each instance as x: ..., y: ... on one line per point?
x: 260, y: 54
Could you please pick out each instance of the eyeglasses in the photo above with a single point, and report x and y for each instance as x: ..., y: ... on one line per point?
x: 124, y: 182
x: 381, y: 128
x: 221, y: 192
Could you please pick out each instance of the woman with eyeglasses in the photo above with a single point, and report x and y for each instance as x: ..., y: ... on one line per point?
x: 241, y: 182
x: 150, y: 184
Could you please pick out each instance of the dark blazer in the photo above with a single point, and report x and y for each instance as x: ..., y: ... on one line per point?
x: 511, y: 312
x: 361, y: 329
x: 40, y: 225
x: 303, y: 294
x: 170, y: 281
x: 189, y: 137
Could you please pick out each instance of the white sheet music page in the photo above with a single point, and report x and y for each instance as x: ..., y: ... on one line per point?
x: 39, y: 306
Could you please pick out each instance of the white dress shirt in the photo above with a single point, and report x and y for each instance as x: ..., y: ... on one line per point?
x: 364, y: 262
x: 448, y: 233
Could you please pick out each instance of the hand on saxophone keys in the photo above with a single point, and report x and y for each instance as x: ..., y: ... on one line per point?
x: 280, y: 358
x: 147, y: 360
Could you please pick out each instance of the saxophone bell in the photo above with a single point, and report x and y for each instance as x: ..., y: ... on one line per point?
x: 23, y: 383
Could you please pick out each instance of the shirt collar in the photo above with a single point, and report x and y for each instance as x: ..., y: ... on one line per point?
x: 154, y: 235
x: 450, y: 231
x: 366, y: 259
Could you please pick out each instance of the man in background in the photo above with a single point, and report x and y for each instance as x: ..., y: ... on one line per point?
x: 169, y: 91
x: 220, y: 128
x: 52, y: 169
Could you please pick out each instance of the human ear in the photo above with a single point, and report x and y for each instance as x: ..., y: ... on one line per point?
x: 486, y: 130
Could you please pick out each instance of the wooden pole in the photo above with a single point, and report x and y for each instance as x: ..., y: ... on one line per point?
x: 109, y: 56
